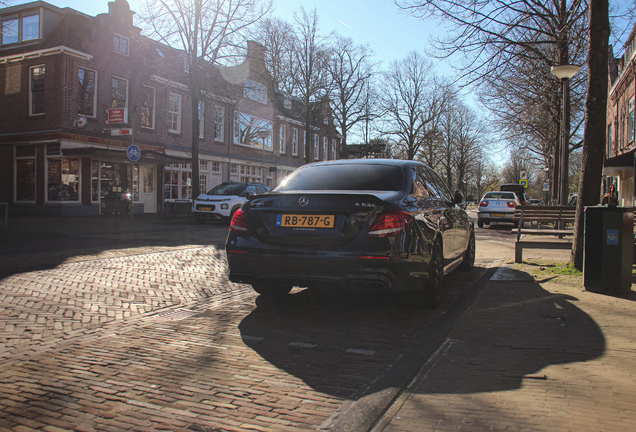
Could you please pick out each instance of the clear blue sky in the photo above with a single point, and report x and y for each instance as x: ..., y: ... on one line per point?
x: 377, y: 23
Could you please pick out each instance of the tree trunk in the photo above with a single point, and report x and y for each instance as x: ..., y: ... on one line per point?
x: 595, y: 121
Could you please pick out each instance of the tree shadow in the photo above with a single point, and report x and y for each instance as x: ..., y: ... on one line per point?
x: 39, y: 243
x: 513, y: 331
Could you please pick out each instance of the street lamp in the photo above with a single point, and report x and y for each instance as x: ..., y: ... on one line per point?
x: 564, y: 73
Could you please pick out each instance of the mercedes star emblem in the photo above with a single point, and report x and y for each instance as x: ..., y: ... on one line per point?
x: 303, y: 201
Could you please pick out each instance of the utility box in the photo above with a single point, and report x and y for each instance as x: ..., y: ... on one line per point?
x: 608, y: 256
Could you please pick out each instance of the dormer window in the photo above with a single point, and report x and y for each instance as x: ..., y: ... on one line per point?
x: 121, y: 44
x: 20, y: 28
x: 288, y: 103
x: 255, y: 91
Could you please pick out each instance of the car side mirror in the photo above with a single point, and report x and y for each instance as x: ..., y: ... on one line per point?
x: 459, y: 197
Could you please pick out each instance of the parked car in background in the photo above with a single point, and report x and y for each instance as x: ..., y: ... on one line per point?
x: 497, y: 207
x: 535, y: 201
x: 223, y: 200
x: 359, y: 224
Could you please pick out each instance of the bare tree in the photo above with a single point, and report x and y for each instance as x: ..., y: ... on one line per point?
x: 350, y: 70
x: 413, y: 98
x: 207, y: 31
x: 595, y: 121
x: 278, y: 37
x: 310, y: 73
x: 493, y: 38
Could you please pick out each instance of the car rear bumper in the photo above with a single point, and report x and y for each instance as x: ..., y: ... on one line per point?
x: 310, y: 269
x: 488, y: 217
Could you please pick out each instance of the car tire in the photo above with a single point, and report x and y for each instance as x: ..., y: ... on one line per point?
x: 431, y: 293
x: 480, y: 224
x: 469, y: 255
x: 271, y: 288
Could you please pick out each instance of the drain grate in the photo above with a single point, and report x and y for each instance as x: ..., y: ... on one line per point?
x: 177, y: 314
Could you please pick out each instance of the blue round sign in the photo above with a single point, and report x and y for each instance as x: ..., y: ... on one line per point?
x: 133, y: 152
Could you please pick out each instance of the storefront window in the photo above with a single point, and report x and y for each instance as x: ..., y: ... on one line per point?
x: 186, y: 185
x: 172, y: 185
x: 63, y: 179
x: 95, y: 181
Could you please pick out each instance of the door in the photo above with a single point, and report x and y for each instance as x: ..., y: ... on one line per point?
x: 148, y: 192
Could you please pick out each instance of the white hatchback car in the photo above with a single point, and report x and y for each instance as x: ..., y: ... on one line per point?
x: 497, y: 207
x: 223, y: 200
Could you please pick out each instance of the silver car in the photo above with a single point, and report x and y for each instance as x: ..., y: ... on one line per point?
x: 497, y: 207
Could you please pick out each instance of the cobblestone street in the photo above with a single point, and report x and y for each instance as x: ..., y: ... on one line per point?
x: 148, y: 334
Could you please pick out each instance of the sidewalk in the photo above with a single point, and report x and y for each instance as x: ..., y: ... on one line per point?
x: 532, y: 353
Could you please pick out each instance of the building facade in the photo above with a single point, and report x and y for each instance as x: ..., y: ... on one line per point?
x: 619, y: 166
x: 78, y: 91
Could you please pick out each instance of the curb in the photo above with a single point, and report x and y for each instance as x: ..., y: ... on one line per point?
x: 369, y: 404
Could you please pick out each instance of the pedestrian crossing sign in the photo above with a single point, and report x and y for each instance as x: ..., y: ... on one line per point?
x: 524, y: 182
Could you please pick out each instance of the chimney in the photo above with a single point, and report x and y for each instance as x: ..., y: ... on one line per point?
x: 120, y: 10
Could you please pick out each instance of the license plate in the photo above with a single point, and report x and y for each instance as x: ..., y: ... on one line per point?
x: 304, y: 221
x: 497, y: 215
x: 205, y: 208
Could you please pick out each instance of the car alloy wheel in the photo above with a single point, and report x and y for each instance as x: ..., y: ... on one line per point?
x: 469, y: 256
x: 432, y: 291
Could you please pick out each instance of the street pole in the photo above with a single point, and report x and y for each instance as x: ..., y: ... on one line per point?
x: 564, y: 73
x: 564, y: 145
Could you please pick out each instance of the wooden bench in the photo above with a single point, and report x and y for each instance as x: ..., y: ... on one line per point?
x: 556, y: 221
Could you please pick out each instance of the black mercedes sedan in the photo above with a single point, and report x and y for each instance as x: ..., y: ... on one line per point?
x: 366, y: 224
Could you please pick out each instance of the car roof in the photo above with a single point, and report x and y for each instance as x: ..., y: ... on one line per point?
x: 393, y: 162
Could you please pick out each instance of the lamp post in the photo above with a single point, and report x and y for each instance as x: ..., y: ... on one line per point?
x: 564, y: 73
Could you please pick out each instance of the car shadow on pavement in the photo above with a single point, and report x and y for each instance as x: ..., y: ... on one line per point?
x: 342, y: 344
x: 512, y: 334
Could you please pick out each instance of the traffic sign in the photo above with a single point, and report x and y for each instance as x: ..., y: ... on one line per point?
x: 546, y: 187
x: 524, y: 182
x: 133, y: 152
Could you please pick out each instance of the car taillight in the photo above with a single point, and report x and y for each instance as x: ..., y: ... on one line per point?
x: 511, y: 204
x: 390, y: 224
x: 483, y: 204
x: 238, y: 221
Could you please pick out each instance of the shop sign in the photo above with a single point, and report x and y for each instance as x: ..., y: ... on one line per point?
x: 53, y: 149
x: 117, y: 115
x: 121, y: 132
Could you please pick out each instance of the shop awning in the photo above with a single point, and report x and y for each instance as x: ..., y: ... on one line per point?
x: 622, y: 162
x: 119, y: 156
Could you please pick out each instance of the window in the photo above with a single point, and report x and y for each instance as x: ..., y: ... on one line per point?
x: 608, y: 150
x: 630, y: 120
x: 325, y: 152
x: 219, y: 115
x: 282, y: 148
x: 87, y: 94
x: 36, y: 90
x: 147, y: 108
x: 255, y: 91
x: 295, y: 142
x: 216, y: 167
x: 119, y: 93
x: 25, y: 173
x: 121, y: 44
x: 316, y: 147
x: 252, y: 131
x: 233, y: 169
x: 63, y: 179
x: 203, y: 183
x: 333, y: 149
x: 18, y: 29
x: 201, y: 121
x: 174, y: 113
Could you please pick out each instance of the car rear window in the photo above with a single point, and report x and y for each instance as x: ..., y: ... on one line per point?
x: 227, y: 189
x: 372, y: 177
x: 500, y: 195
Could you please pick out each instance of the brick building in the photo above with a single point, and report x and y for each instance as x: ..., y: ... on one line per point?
x: 72, y: 82
x: 619, y: 166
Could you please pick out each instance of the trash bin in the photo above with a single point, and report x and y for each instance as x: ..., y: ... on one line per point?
x: 608, y: 242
